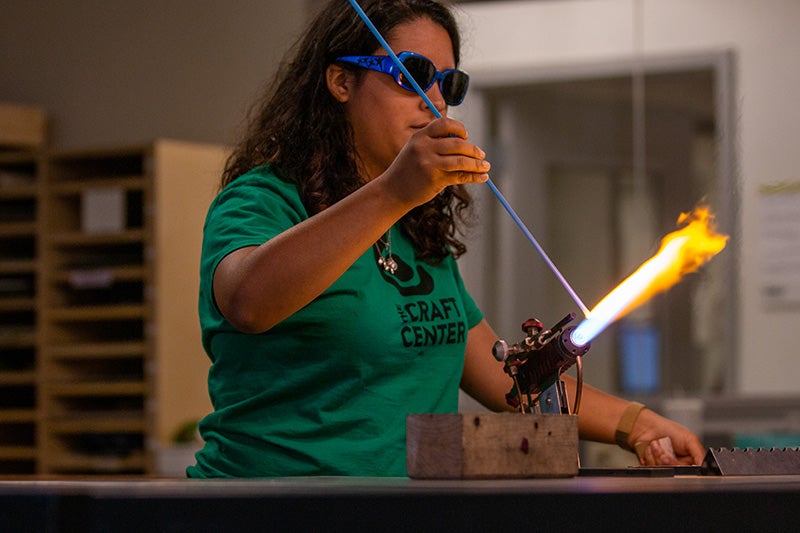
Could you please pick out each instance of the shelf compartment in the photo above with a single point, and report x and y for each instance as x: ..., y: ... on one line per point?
x: 93, y: 452
x: 21, y: 284
x: 107, y: 442
x: 71, y: 333
x: 16, y: 249
x: 17, y: 458
x: 103, y: 253
x: 17, y: 208
x: 107, y: 368
x: 99, y: 290
x: 92, y: 401
x: 17, y: 336
x: 17, y: 364
x: 80, y: 210
x: 17, y: 434
x: 99, y: 276
x: 92, y: 463
x: 17, y: 396
x: 83, y: 165
x: 19, y: 174
x: 98, y: 350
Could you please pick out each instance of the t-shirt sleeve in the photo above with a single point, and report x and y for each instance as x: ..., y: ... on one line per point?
x: 248, y: 212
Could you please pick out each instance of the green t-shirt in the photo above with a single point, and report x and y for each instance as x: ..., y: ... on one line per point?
x: 326, y: 391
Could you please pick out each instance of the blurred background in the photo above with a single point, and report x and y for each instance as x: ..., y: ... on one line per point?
x: 604, y: 120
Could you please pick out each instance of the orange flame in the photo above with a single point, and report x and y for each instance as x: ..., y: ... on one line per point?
x: 682, y: 252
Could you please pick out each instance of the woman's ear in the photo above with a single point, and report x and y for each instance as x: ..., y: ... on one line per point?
x: 340, y: 82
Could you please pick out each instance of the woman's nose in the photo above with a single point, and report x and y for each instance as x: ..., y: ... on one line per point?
x: 436, y: 98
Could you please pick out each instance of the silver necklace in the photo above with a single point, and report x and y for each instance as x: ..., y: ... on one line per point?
x: 385, y: 258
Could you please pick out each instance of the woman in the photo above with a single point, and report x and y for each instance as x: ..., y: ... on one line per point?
x: 330, y: 302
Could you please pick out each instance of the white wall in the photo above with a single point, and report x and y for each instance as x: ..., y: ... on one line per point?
x: 119, y: 72
x: 762, y: 34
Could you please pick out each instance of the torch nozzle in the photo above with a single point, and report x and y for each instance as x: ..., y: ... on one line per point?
x: 577, y: 336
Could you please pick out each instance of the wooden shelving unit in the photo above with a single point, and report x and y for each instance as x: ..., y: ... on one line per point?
x: 101, y: 361
x: 100, y: 355
x: 22, y: 137
x: 19, y: 239
x: 122, y: 367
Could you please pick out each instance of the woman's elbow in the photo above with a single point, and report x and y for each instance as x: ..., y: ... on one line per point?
x: 245, y: 315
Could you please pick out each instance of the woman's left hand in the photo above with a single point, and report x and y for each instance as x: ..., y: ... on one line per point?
x: 660, y: 441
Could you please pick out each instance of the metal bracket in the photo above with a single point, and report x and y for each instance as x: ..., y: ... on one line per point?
x: 553, y: 400
x: 752, y: 462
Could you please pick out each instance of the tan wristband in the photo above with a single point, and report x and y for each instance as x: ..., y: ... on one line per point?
x: 626, y: 423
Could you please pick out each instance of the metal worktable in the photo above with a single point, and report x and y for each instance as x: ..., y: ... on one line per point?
x: 597, y: 503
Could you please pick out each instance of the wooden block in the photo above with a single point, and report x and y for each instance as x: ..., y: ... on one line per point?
x: 491, y: 445
x: 22, y: 126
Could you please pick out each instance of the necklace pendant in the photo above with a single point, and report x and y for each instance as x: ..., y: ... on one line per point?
x: 385, y: 259
x: 389, y: 264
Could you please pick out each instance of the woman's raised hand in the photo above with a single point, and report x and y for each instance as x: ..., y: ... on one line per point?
x: 435, y: 157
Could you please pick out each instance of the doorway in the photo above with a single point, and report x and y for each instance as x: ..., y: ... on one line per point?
x: 564, y: 155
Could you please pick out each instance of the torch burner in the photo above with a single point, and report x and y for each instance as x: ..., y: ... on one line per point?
x: 536, y: 363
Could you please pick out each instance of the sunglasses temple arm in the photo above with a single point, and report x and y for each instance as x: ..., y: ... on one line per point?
x: 517, y: 220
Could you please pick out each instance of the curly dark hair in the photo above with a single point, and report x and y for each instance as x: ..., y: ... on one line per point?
x: 301, y: 130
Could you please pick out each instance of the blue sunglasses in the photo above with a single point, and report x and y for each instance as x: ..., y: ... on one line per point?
x: 453, y: 83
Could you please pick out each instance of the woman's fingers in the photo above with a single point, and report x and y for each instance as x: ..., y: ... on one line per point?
x: 436, y: 157
x: 656, y: 452
x: 446, y: 127
x: 457, y: 155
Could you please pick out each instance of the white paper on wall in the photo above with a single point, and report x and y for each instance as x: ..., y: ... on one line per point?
x: 779, y: 214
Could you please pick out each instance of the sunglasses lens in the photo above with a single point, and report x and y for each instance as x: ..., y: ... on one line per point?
x: 421, y: 69
x: 454, y: 86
